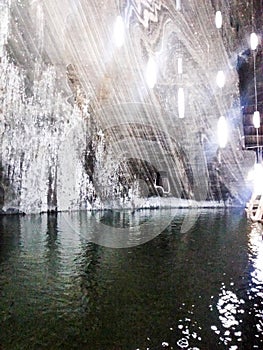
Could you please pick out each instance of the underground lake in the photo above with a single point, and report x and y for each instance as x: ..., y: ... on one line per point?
x: 61, y: 289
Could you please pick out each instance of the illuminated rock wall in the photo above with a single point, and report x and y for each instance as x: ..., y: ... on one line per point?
x: 81, y: 129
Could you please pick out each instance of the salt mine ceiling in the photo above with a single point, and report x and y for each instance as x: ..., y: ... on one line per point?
x: 88, y: 86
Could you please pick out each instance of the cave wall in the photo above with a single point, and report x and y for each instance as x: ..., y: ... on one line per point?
x: 79, y: 127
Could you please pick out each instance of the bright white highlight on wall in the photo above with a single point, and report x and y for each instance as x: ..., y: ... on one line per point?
x: 178, y: 5
x: 220, y: 79
x: 218, y: 19
x: 151, y: 73
x: 119, y: 32
x: 181, y: 102
x: 180, y: 65
x: 253, y: 41
x: 256, y: 119
x: 222, y: 132
x: 250, y: 175
x: 258, y: 176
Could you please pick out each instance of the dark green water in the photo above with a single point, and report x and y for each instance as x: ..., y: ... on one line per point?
x: 197, y: 290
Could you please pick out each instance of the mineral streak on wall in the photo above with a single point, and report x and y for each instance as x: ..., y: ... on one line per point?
x: 81, y: 129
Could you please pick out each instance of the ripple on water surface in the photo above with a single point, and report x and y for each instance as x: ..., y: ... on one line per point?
x: 196, y: 290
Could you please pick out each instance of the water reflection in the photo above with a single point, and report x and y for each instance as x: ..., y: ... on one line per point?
x: 256, y: 257
x: 199, y: 290
x: 9, y: 235
x: 121, y: 229
x: 52, y: 244
x: 230, y: 309
x: 236, y: 313
x: 255, y: 292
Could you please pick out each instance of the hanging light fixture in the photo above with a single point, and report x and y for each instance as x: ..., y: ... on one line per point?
x: 119, y: 32
x: 218, y: 19
x: 220, y: 79
x: 256, y: 119
x: 178, y: 5
x: 180, y: 65
x: 222, y: 132
x: 181, y: 102
x: 151, y: 73
x: 253, y: 41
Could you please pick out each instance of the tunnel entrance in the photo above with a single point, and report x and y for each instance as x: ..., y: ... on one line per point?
x: 152, y: 181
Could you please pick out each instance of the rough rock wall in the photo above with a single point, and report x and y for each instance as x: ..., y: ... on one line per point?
x: 81, y: 129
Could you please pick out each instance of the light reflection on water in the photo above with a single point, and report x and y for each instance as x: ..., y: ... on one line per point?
x: 256, y: 287
x: 256, y: 257
x: 198, y: 290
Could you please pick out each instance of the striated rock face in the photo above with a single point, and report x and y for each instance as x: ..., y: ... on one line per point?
x: 79, y: 126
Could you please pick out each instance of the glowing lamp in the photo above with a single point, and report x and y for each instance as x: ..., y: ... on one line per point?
x: 181, y: 104
x: 178, y: 5
x: 222, y: 132
x: 218, y: 19
x: 119, y: 32
x: 151, y: 73
x: 220, y: 79
x: 253, y: 41
x: 256, y: 119
x: 180, y: 65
